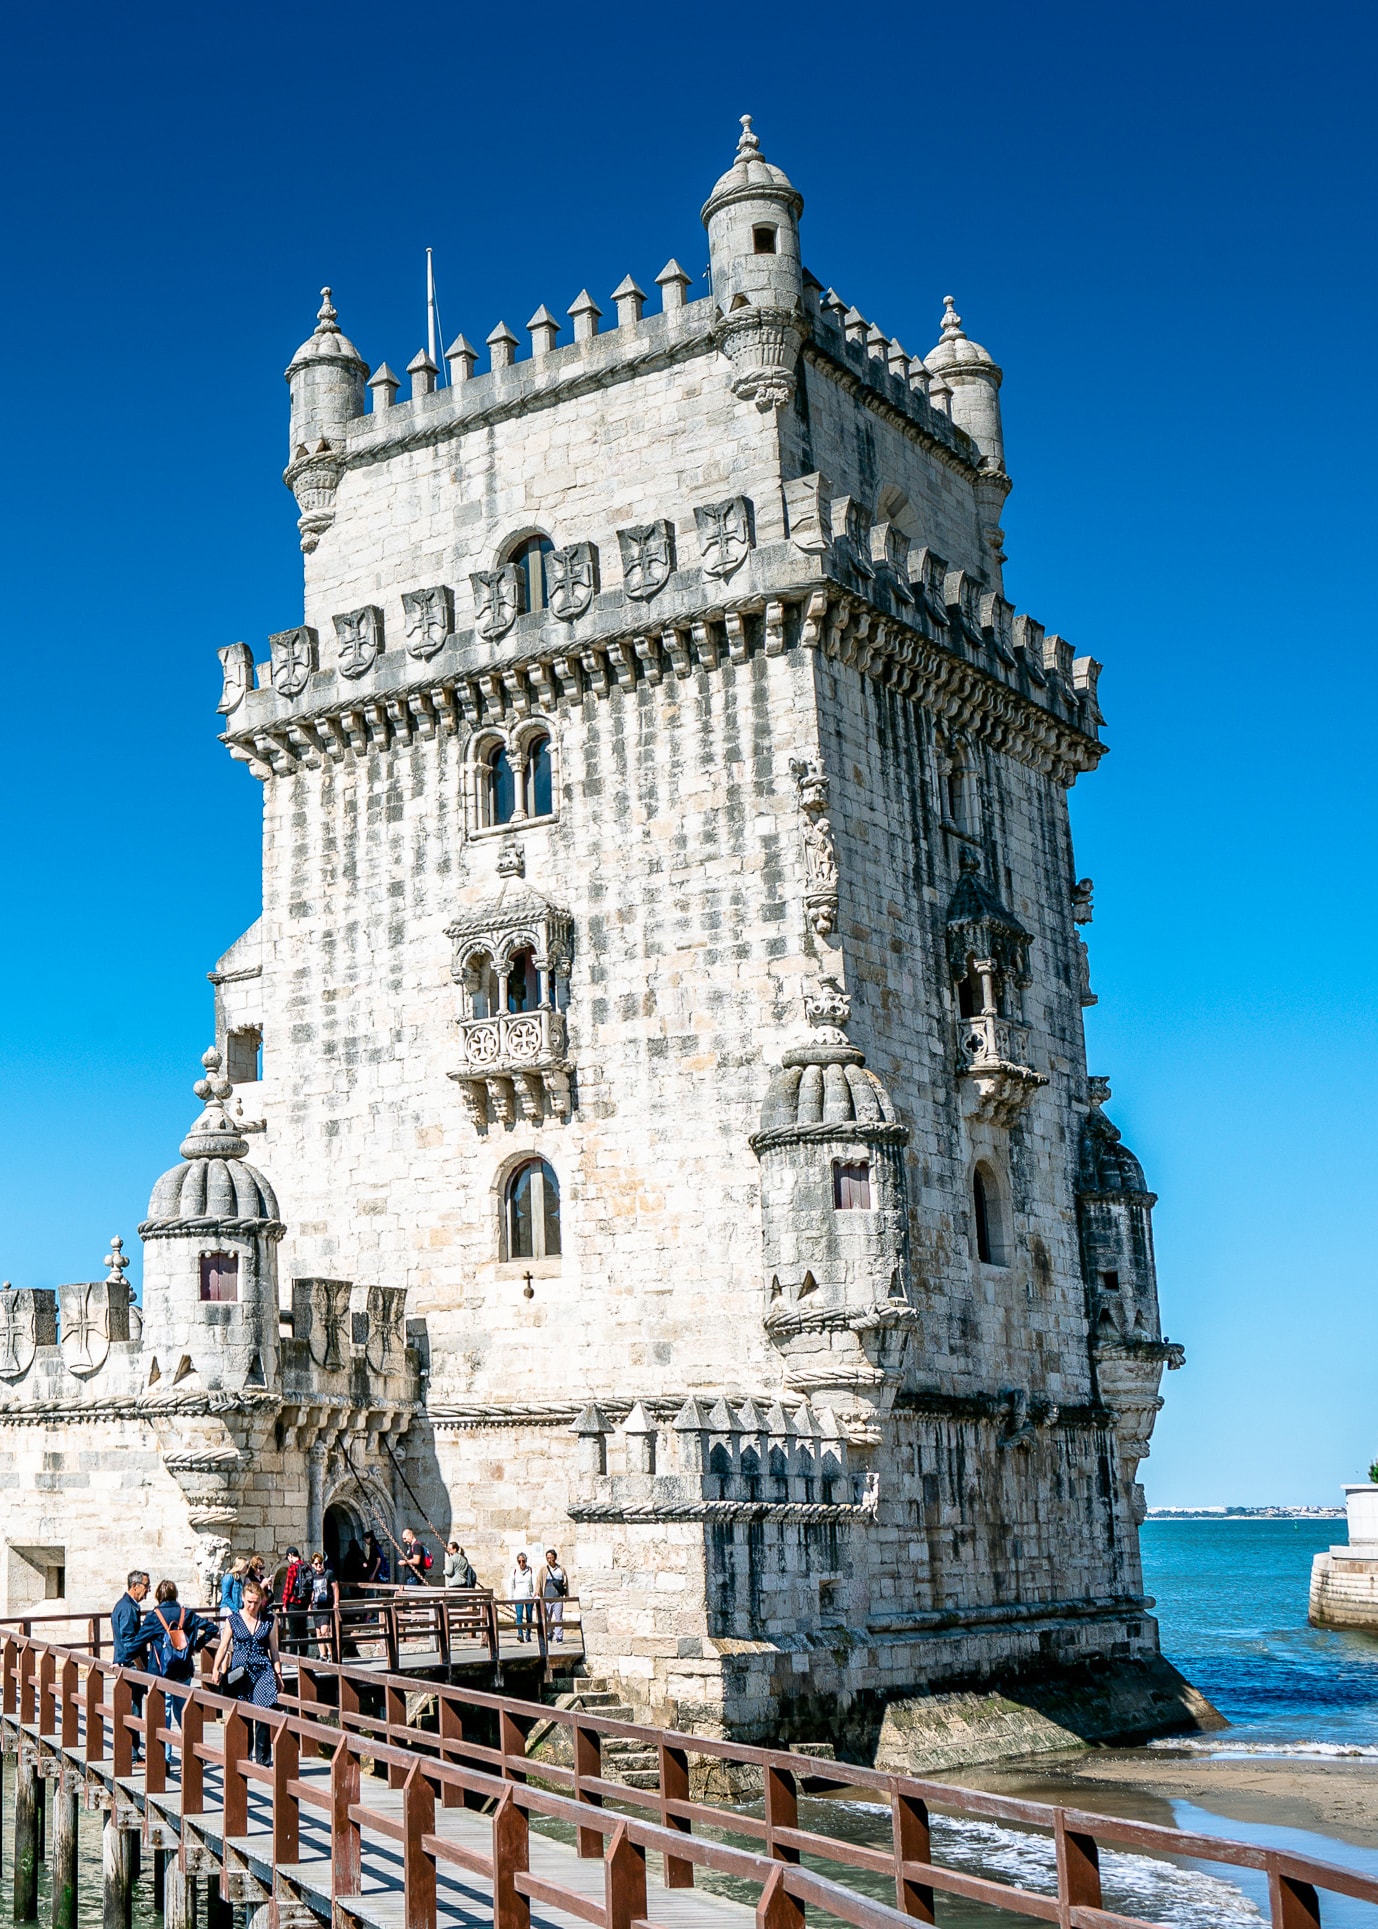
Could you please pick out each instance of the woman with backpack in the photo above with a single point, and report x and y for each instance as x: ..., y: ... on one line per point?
x: 175, y: 1636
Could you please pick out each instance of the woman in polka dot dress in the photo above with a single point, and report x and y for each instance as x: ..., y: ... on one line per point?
x: 248, y: 1652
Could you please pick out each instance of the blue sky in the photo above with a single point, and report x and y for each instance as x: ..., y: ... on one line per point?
x: 1159, y: 220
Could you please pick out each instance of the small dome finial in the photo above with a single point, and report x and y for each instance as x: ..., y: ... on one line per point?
x: 952, y: 321
x: 117, y: 1260
x: 749, y: 146
x: 327, y: 317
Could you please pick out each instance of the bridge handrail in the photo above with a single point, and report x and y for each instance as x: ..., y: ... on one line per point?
x: 50, y: 1689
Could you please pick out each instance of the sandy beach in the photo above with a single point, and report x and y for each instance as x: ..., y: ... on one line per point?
x: 1333, y: 1796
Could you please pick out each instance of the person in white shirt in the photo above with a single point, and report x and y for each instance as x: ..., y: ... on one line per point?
x: 523, y: 1592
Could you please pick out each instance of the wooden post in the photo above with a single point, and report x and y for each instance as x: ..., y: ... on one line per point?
x: 1292, y: 1904
x: 236, y: 1791
x: 511, y: 1857
x: 451, y: 1732
x: 155, y: 1749
x: 47, y: 1706
x: 345, y: 1851
x: 782, y: 1811
x: 1078, y: 1867
x: 674, y: 1787
x: 159, y: 1874
x: 418, y: 1863
x: 69, y: 1717
x: 11, y: 1672
x: 624, y: 1881
x: 64, y: 1859
x: 778, y: 1909
x: 193, y: 1768
x: 588, y: 1765
x: 913, y: 1843
x: 95, y: 1721
x: 179, y: 1896
x: 512, y: 1742
x: 349, y: 1700
x: 219, y: 1911
x: 286, y: 1813
x: 25, y: 1836
x: 41, y: 1800
x: 121, y: 1739
x: 395, y: 1715
x: 26, y: 1685
x: 117, y: 1881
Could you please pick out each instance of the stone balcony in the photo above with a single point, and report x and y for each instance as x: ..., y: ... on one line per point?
x: 997, y: 1080
x: 514, y: 1062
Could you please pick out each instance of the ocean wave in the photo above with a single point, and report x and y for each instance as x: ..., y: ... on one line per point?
x: 1327, y: 1750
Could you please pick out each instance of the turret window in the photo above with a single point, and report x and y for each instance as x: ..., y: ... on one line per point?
x: 852, y: 1186
x: 219, y: 1277
x: 763, y: 241
x: 533, y: 1212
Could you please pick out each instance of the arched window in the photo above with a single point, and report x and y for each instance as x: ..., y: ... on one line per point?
x: 529, y: 556
x: 533, y: 1212
x: 969, y: 995
x: 536, y: 791
x: 992, y: 1245
x: 751, y: 1473
x: 499, y: 787
x: 480, y: 981
x: 523, y: 985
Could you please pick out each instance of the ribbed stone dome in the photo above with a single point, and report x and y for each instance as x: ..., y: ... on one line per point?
x: 1107, y: 1164
x: 214, y: 1180
x: 825, y: 1085
x: 957, y: 351
x: 751, y: 173
x: 326, y: 343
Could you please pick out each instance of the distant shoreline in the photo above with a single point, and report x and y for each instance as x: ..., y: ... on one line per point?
x: 1246, y: 1513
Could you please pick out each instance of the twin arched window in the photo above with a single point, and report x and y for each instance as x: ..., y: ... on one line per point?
x: 510, y: 790
x: 529, y: 557
x: 532, y: 1212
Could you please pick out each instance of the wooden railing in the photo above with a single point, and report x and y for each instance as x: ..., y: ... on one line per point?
x: 345, y: 1725
x: 392, y: 1627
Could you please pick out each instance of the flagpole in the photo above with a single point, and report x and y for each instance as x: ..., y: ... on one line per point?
x: 430, y: 306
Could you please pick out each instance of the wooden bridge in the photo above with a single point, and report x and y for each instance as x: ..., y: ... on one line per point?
x: 394, y: 1804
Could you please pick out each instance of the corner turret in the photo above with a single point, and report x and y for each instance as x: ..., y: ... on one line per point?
x: 752, y: 218
x: 327, y: 378
x: 210, y: 1257
x: 974, y: 379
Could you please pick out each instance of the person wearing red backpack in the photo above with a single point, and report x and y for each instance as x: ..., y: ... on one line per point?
x: 175, y: 1636
x: 414, y: 1560
x: 296, y: 1598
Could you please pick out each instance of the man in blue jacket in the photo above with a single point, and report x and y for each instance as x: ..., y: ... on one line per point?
x: 126, y: 1627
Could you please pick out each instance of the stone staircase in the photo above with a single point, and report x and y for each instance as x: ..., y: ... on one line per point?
x: 635, y: 1764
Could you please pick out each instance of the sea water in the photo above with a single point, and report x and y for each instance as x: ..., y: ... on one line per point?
x: 1231, y: 1605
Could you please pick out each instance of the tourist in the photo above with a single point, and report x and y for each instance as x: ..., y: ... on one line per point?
x: 325, y: 1598
x: 413, y: 1560
x: 459, y: 1570
x: 126, y: 1630
x: 175, y: 1636
x: 375, y: 1567
x: 232, y: 1586
x: 296, y: 1598
x: 524, y: 1594
x: 554, y: 1588
x: 247, y: 1664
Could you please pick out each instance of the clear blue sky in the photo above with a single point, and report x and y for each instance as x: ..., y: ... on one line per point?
x: 1159, y: 220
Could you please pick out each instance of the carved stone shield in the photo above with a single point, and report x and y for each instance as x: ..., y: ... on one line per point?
x: 648, y: 558
x: 28, y: 1320
x: 237, y: 669
x: 430, y: 618
x: 295, y: 656
x: 360, y: 634
x: 725, y: 535
x: 497, y: 600
x: 93, y: 1315
x: 571, y: 576
x: 387, y: 1328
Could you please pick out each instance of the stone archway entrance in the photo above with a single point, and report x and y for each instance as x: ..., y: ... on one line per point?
x: 343, y: 1530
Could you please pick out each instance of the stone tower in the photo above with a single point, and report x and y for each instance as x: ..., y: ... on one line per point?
x: 669, y: 982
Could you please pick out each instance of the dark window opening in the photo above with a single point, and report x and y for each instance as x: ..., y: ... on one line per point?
x: 852, y: 1187
x: 763, y: 241
x: 522, y: 983
x: 220, y: 1277
x: 533, y: 1212
x: 1110, y: 1282
x: 244, y: 1056
x: 983, y: 1245
x: 537, y: 794
x: 529, y: 556
x: 501, y: 787
x: 968, y: 996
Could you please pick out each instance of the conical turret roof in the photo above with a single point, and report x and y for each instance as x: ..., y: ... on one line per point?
x: 326, y: 343
x: 751, y: 173
x: 956, y: 350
